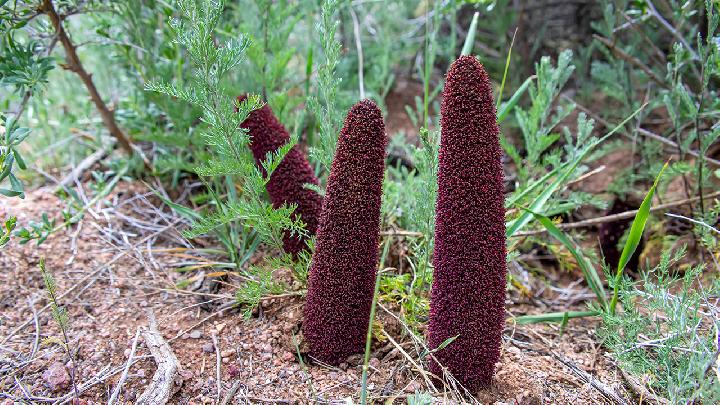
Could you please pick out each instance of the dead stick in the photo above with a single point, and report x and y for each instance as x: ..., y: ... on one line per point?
x: 231, y: 393
x: 163, y: 384
x: 640, y: 390
x: 642, y: 131
x: 631, y: 59
x: 618, y: 217
x: 218, y: 362
x: 393, y: 232
x: 124, y: 375
x: 84, y: 165
x: 608, y: 392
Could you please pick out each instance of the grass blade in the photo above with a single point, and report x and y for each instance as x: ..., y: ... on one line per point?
x: 554, y: 317
x: 591, y: 276
x: 539, y: 202
x: 508, y: 106
x: 184, y: 211
x: 510, y: 202
x: 507, y: 67
x: 633, y: 240
x: 470, y: 39
x: 368, y: 339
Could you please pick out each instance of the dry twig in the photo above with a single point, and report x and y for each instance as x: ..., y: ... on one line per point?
x: 218, y: 362
x: 632, y: 60
x: 86, y: 163
x: 642, y: 131
x: 617, y: 217
x: 163, y: 383
x: 231, y: 393
x: 123, y: 377
x: 608, y: 392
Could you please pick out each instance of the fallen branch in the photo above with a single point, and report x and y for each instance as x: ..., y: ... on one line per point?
x: 218, y: 362
x: 123, y: 377
x: 617, y: 217
x: 86, y: 163
x: 163, y: 383
x: 231, y: 393
x: 642, y: 131
x: 640, y: 390
x: 632, y: 60
x: 608, y: 392
x: 398, y: 232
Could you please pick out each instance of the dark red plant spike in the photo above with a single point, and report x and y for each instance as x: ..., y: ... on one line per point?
x: 344, y: 265
x: 468, y: 291
x: 286, y: 185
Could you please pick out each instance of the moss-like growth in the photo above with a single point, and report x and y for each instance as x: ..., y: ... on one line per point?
x: 344, y: 265
x: 286, y: 185
x: 468, y: 292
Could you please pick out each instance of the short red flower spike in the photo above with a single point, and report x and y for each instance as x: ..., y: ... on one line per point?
x: 286, y: 185
x: 344, y: 265
x: 468, y: 291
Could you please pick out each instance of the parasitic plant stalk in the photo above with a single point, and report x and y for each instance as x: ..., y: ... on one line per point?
x: 342, y: 276
x: 468, y: 291
x: 287, y: 183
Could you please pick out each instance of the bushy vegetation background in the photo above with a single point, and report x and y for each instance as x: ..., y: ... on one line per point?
x: 645, y: 77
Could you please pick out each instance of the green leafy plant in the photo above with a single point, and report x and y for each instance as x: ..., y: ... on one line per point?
x: 323, y: 105
x: 23, y: 67
x: 9, y: 226
x: 59, y: 314
x: 229, y: 158
x: 10, y: 156
x: 636, y: 231
x: 537, y: 123
x: 667, y: 331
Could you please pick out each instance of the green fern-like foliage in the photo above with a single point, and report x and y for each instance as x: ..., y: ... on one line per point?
x: 229, y: 161
x: 536, y: 122
x: 323, y: 104
x: 666, y: 332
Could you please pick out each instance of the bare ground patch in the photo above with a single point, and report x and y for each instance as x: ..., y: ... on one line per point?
x: 112, y: 270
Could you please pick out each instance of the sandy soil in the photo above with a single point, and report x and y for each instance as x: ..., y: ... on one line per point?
x: 112, y: 272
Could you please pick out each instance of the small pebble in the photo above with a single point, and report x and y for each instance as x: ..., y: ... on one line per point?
x: 233, y: 371
x: 56, y: 377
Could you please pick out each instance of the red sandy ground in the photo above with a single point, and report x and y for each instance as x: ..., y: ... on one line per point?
x: 107, y: 304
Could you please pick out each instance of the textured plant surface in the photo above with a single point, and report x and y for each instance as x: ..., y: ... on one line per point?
x: 286, y: 185
x: 468, y: 292
x: 344, y: 264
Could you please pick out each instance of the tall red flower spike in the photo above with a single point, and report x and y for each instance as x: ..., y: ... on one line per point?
x: 468, y: 291
x: 286, y: 185
x: 342, y: 276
